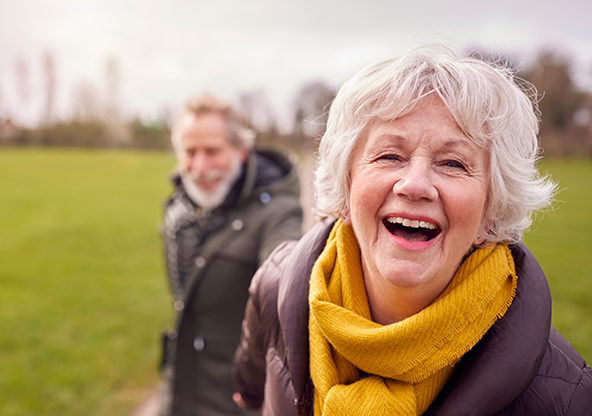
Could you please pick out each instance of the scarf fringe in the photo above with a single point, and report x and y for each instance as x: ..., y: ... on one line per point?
x: 453, y: 334
x: 461, y: 327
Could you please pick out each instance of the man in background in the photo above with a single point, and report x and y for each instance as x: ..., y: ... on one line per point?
x: 230, y: 207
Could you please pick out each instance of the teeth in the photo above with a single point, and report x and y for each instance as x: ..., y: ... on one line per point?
x: 406, y: 222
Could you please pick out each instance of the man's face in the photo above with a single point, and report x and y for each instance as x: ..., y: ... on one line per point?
x: 208, y: 162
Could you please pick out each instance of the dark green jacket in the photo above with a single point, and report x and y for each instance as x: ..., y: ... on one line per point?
x: 211, y: 299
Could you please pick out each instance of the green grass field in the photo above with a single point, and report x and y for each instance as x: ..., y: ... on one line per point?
x: 562, y: 242
x: 82, y: 291
x: 82, y: 288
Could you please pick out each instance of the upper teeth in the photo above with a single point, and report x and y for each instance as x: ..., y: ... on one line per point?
x: 412, y: 223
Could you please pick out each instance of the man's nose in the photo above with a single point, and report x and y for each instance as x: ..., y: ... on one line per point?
x: 200, y: 163
x: 416, y: 182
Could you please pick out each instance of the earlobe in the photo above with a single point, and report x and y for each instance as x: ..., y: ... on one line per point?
x: 345, y: 218
x: 482, y: 236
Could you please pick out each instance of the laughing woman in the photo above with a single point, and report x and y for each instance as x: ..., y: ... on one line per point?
x: 415, y: 296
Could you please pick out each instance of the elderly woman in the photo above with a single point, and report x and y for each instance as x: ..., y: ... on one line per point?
x: 414, y: 296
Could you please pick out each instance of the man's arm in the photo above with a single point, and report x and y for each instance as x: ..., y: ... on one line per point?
x: 284, y: 224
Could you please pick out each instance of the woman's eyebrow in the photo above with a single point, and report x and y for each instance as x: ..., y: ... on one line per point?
x: 462, y: 143
x: 390, y: 137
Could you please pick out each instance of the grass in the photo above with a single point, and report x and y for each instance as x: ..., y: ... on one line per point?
x: 82, y: 289
x: 562, y: 242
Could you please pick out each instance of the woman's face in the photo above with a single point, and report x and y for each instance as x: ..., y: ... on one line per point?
x: 417, y: 199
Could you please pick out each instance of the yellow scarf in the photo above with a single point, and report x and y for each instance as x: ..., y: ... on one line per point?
x: 407, y: 363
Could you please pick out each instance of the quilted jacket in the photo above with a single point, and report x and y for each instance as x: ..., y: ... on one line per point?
x: 521, y: 367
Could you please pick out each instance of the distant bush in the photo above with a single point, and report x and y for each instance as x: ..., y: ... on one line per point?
x: 95, y: 134
x: 155, y: 135
x: 71, y: 134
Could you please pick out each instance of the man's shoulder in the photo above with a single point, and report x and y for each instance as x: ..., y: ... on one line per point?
x: 275, y: 171
x: 286, y: 270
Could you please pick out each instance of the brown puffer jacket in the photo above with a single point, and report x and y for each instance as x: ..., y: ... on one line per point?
x: 522, y: 366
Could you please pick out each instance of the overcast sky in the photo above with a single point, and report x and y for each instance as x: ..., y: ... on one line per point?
x: 168, y: 50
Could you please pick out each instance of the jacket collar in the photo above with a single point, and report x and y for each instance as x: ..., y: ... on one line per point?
x: 506, y: 360
x: 293, y: 302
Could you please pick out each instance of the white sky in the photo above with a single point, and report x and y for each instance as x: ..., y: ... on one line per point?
x: 168, y: 50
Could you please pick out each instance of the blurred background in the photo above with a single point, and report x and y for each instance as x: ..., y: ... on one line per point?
x: 89, y: 90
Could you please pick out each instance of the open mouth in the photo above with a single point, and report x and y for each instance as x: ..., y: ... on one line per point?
x: 411, y: 230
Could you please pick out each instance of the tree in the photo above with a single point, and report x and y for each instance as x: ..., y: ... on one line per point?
x: 310, y: 108
x: 50, y: 85
x: 112, y: 90
x: 23, y: 85
x: 551, y: 74
x: 1, y: 115
x: 258, y: 111
x: 562, y: 105
x: 116, y: 132
x: 87, y: 104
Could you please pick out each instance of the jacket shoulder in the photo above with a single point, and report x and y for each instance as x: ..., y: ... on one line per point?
x: 562, y: 386
x: 265, y: 282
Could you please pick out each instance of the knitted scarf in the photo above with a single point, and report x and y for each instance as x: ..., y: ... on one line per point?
x: 359, y: 367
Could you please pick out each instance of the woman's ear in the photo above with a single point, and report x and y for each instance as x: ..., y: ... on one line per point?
x: 482, y: 236
x: 478, y: 240
x: 345, y: 217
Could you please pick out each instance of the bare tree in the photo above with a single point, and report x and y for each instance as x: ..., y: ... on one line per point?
x: 117, y: 133
x: 50, y: 85
x: 112, y: 90
x: 86, y: 103
x: 311, y: 106
x: 0, y: 101
x: 257, y: 109
x: 23, y: 83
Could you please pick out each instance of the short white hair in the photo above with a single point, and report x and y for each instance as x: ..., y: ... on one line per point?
x: 239, y: 135
x: 493, y: 108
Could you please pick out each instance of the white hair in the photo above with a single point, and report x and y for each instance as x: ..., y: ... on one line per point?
x: 493, y: 108
x: 239, y: 135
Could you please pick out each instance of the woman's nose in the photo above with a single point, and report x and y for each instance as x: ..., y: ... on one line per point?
x: 416, y: 182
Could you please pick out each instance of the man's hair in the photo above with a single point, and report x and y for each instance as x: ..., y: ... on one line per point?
x: 238, y: 133
x: 493, y: 108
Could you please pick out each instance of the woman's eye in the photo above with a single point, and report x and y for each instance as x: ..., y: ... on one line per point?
x: 389, y: 157
x: 453, y: 164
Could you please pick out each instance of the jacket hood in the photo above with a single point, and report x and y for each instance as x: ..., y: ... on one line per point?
x: 271, y: 171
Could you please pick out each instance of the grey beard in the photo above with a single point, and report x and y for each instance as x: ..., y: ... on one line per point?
x: 210, y: 200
